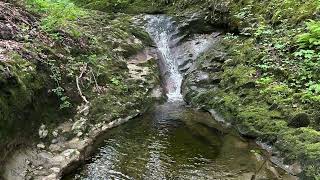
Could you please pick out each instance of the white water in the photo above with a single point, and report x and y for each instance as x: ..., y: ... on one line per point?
x: 162, y: 29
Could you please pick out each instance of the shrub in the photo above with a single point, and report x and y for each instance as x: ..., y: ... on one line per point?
x: 58, y: 14
x: 311, y: 39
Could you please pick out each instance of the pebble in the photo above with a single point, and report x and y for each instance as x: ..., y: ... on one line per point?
x: 41, y: 146
x: 54, y: 141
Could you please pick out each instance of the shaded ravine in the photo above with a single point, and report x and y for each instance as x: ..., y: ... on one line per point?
x: 173, y: 141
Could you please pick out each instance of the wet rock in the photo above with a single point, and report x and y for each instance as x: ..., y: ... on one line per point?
x: 202, y: 78
x: 43, y: 132
x: 299, y: 120
x: 157, y: 92
x: 185, y: 68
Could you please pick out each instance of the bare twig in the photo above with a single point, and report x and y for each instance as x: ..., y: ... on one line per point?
x: 95, y: 80
x: 83, y: 69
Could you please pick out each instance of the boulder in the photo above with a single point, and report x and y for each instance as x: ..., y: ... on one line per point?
x: 299, y: 120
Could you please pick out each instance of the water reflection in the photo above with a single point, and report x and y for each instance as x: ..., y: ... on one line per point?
x: 173, y: 142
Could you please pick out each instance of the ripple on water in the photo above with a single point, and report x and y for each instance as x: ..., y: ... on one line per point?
x: 189, y: 147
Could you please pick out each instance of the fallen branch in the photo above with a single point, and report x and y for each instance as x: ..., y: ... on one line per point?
x: 83, y: 69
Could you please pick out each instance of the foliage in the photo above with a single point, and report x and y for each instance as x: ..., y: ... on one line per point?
x: 58, y: 90
x: 128, y: 6
x: 58, y: 14
x: 311, y: 39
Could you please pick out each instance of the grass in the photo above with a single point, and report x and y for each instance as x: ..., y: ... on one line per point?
x: 57, y: 14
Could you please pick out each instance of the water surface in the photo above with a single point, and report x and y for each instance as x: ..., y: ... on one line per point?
x: 172, y: 141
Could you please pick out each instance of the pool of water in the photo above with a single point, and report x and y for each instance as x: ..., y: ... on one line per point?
x: 172, y: 141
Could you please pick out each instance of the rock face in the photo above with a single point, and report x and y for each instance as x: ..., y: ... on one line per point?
x: 204, y: 73
x: 120, y: 81
x: 50, y: 161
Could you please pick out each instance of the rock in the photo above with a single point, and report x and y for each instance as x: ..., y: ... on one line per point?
x: 79, y: 134
x: 317, y: 121
x: 54, y: 141
x: 55, y: 133
x: 69, y: 153
x: 43, y: 133
x: 55, y: 169
x: 56, y: 148
x: 296, y: 168
x: 41, y: 146
x: 79, y: 125
x: 52, y: 176
x: 299, y: 120
x: 272, y: 171
x: 57, y: 160
x: 157, y: 93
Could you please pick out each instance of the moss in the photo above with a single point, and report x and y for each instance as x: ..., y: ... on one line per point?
x: 238, y: 76
x: 130, y: 7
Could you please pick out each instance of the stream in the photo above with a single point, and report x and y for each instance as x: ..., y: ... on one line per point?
x: 172, y: 140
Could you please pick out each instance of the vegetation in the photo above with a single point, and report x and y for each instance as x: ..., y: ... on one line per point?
x: 58, y: 15
x: 60, y: 51
x: 269, y: 78
x: 269, y: 83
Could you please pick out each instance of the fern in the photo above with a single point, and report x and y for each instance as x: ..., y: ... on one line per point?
x: 311, y: 39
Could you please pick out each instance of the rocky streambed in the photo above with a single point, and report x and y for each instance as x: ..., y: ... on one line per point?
x: 64, y: 148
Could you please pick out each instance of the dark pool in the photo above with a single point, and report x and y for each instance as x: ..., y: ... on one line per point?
x: 172, y: 141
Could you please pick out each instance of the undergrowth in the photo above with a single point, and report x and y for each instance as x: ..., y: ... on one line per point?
x: 57, y: 14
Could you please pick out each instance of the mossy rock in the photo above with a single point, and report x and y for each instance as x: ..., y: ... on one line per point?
x: 299, y: 120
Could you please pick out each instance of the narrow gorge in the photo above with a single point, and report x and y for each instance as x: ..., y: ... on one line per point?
x: 172, y: 140
x: 164, y: 89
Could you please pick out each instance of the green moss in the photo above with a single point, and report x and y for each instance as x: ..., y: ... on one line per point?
x: 238, y: 76
x: 131, y: 7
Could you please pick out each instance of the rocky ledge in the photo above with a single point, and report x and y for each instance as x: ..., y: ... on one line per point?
x: 74, y: 141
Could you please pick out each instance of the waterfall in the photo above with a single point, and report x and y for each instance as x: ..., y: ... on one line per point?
x: 162, y: 30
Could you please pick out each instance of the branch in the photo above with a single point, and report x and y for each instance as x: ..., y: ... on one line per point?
x: 83, y: 69
x: 95, y: 80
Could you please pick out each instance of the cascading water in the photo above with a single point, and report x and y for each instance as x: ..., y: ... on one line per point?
x: 162, y: 30
x: 171, y: 141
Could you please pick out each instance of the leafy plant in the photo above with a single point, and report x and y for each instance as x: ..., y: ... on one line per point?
x: 59, y: 91
x: 58, y: 14
x: 311, y: 39
x: 115, y: 81
x: 307, y: 54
